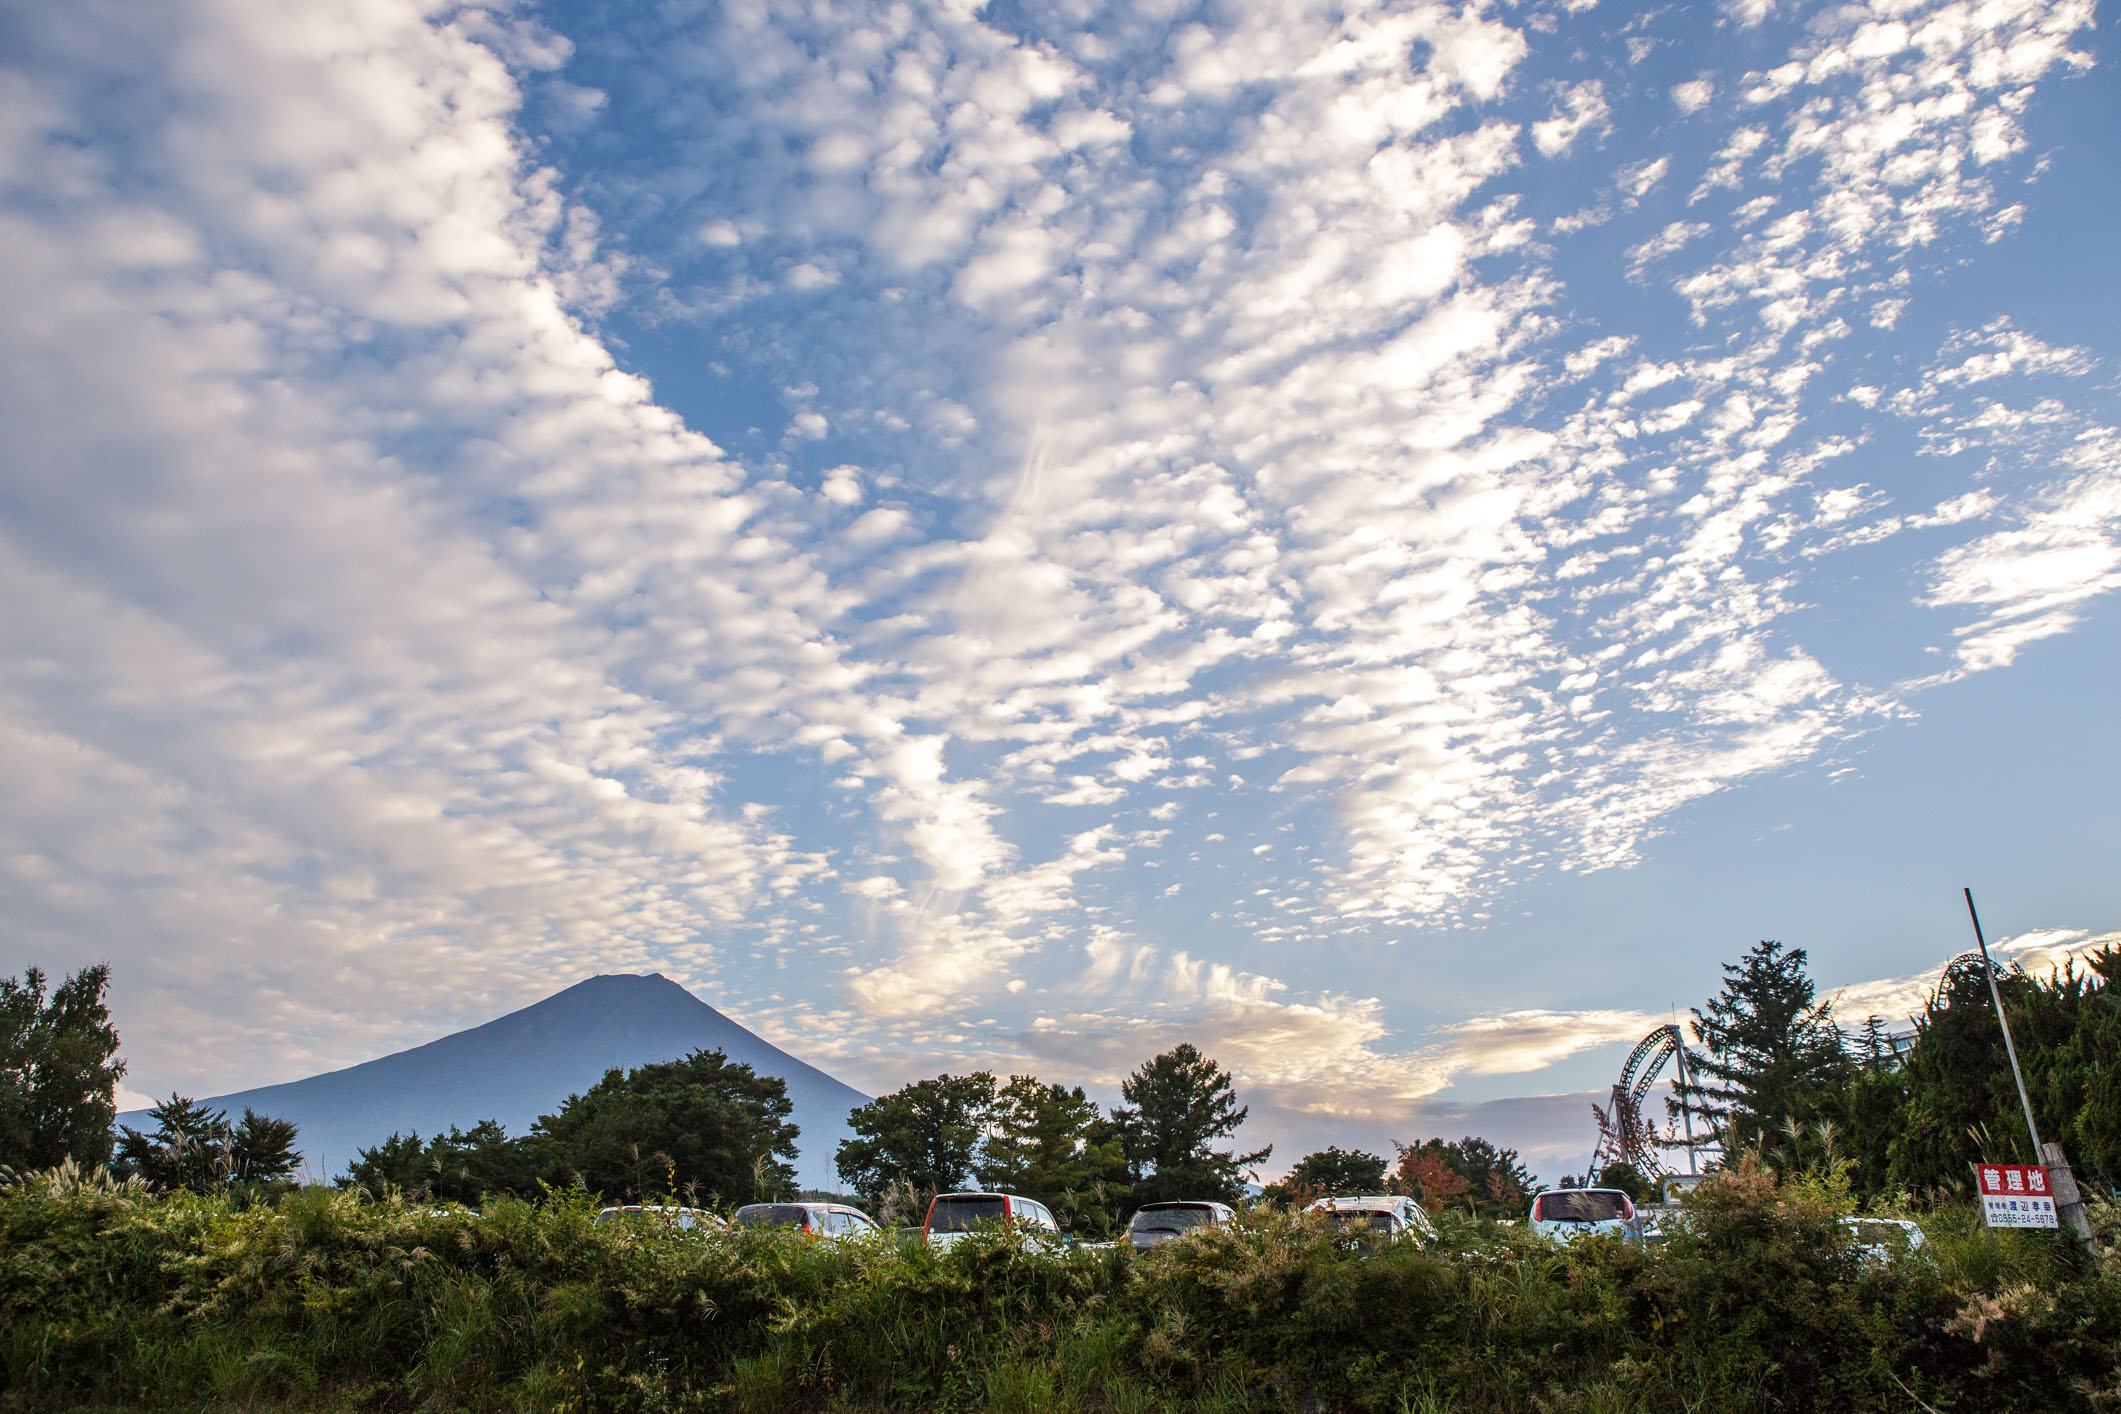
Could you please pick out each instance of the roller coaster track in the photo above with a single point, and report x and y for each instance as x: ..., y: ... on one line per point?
x: 1623, y: 1135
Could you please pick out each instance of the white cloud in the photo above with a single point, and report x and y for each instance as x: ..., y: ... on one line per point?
x: 1221, y: 430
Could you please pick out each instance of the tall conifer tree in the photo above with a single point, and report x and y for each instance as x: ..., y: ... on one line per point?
x: 1770, y: 1052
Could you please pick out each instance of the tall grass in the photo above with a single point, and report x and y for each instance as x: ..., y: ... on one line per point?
x: 113, y: 1298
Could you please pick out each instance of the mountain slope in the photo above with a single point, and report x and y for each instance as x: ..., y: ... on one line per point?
x: 526, y: 1063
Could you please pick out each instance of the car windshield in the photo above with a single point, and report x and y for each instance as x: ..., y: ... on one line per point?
x: 964, y: 1214
x: 774, y: 1215
x: 1581, y: 1206
x: 1360, y: 1220
x: 1179, y: 1217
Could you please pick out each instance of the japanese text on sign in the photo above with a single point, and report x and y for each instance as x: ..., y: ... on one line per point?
x: 2014, y: 1195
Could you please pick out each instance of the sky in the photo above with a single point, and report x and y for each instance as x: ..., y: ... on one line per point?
x: 1389, y: 541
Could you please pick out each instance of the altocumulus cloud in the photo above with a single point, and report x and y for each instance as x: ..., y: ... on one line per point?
x: 1220, y: 488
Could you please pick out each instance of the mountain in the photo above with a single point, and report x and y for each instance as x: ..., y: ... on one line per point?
x: 526, y: 1063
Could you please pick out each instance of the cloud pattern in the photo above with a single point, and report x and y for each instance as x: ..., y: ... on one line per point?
x: 1137, y: 509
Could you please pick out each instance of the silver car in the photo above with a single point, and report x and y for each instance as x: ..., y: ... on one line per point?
x: 1160, y: 1222
x: 826, y: 1222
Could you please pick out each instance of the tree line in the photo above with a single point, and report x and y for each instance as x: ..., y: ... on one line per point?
x: 1775, y: 1074
x: 1771, y: 1072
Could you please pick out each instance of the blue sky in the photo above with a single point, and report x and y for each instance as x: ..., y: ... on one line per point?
x: 1389, y: 541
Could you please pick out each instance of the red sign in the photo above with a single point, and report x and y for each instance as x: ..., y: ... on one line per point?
x: 2015, y: 1195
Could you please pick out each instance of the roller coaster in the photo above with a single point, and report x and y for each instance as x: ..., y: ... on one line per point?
x: 1624, y: 1136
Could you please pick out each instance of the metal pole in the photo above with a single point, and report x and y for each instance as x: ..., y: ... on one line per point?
x: 2009, y: 1048
x: 1686, y: 1116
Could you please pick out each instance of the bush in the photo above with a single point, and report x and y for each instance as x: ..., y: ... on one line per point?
x: 113, y: 1297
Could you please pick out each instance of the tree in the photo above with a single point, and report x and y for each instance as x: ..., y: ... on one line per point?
x: 262, y: 1150
x: 1770, y: 1052
x: 186, y: 1150
x: 1049, y: 1142
x: 58, y: 1070
x: 1180, y: 1103
x: 1627, y: 1178
x: 704, y: 1126
x: 924, y: 1136
x: 1328, y: 1172
x: 1471, y: 1173
x: 462, y: 1166
x: 195, y: 1147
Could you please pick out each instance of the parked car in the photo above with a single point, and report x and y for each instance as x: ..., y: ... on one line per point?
x: 1657, y: 1222
x: 827, y: 1222
x: 1565, y: 1214
x: 1885, y: 1240
x: 665, y: 1219
x: 1160, y: 1222
x: 1375, y: 1219
x: 952, y: 1216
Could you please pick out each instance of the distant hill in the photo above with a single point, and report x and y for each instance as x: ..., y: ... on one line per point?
x: 524, y: 1064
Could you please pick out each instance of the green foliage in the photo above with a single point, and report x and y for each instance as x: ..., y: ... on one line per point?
x: 1769, y: 1051
x: 195, y: 1147
x: 1180, y: 1104
x: 1331, y: 1170
x: 705, y: 1127
x: 1628, y: 1179
x: 114, y: 1298
x: 58, y: 1070
x: 462, y: 1166
x: 1469, y: 1174
x: 1049, y: 1142
x: 1916, y: 1123
x: 925, y: 1136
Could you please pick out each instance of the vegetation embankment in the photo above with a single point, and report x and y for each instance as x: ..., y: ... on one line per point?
x: 113, y: 1297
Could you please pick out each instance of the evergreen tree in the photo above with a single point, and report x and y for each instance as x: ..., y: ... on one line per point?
x: 1770, y: 1052
x: 1179, y: 1105
x: 925, y: 1136
x: 194, y: 1146
x: 1049, y: 1142
x: 1328, y: 1172
x: 58, y: 1070
x: 187, y: 1148
x: 262, y: 1150
x: 705, y: 1127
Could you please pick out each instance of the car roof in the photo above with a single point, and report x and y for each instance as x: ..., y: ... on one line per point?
x: 1015, y: 1197
x: 1360, y: 1203
x: 1181, y: 1203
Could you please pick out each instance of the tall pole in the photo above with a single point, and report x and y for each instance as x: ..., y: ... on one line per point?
x: 2009, y: 1048
x: 1686, y: 1115
x: 2061, y: 1183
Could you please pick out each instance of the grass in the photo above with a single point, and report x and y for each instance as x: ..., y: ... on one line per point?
x: 111, y: 1298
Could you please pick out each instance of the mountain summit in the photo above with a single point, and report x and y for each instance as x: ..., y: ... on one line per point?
x: 526, y: 1063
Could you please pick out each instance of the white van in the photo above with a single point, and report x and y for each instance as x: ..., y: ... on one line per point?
x: 1374, y: 1219
x: 1565, y: 1214
x: 952, y: 1216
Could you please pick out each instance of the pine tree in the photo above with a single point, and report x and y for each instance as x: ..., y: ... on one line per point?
x: 1769, y: 1052
x: 1180, y: 1104
x: 1049, y: 1142
x: 189, y: 1147
x: 58, y: 1070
